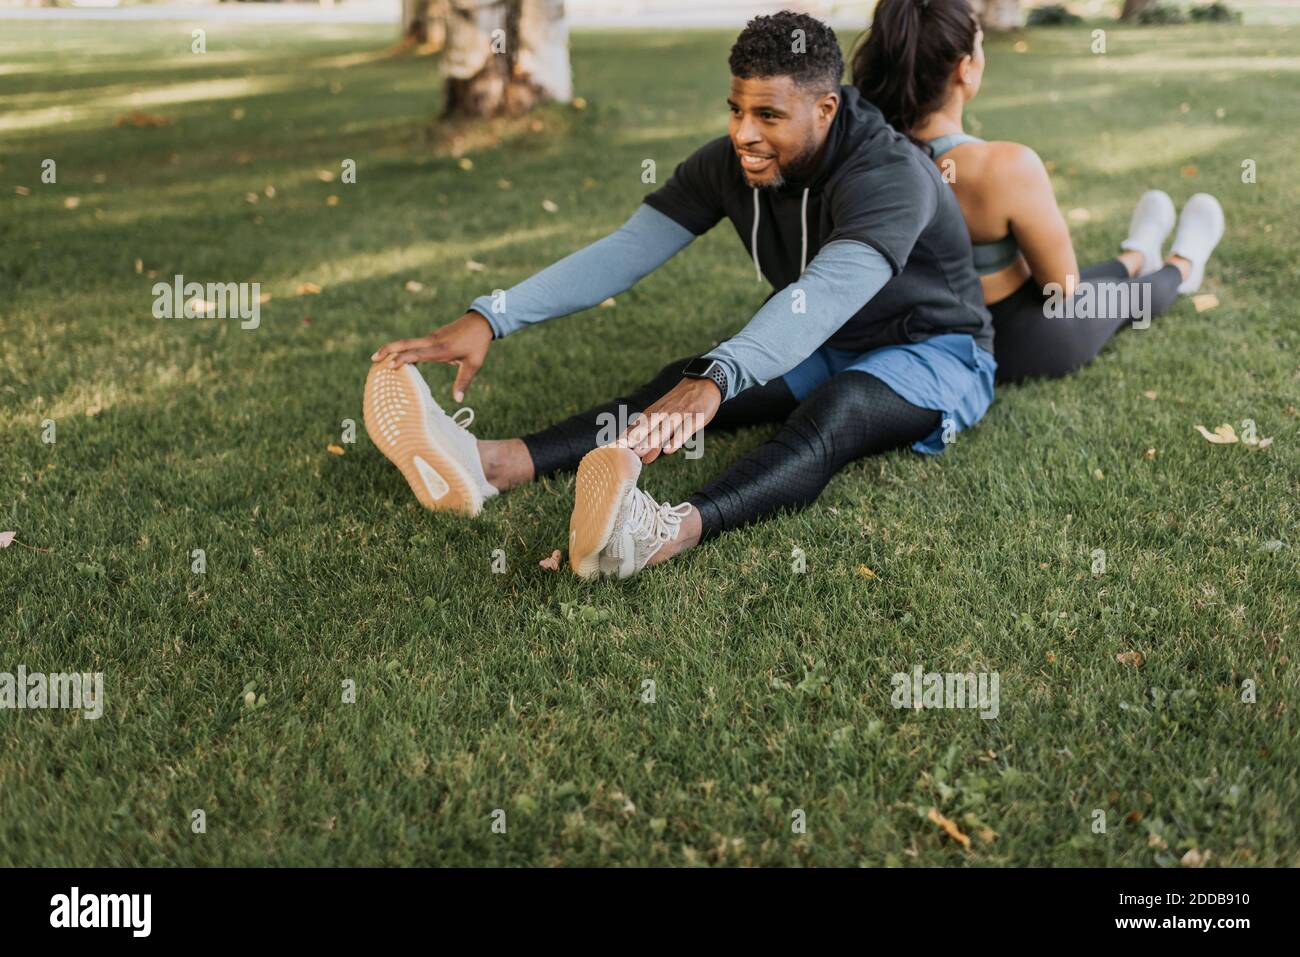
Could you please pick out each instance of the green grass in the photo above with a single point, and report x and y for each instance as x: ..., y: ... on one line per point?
x: 478, y: 691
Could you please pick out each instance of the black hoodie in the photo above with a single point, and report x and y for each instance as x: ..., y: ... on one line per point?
x: 873, y: 186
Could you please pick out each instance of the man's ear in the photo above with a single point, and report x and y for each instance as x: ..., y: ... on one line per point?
x: 828, y: 104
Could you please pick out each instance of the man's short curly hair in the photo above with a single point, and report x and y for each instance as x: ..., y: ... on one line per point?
x: 773, y: 46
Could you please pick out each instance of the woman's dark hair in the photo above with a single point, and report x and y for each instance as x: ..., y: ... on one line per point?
x: 903, y: 62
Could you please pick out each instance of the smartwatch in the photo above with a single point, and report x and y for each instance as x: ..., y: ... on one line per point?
x: 702, y: 368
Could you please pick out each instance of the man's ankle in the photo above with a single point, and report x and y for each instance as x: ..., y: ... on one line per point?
x: 506, y: 462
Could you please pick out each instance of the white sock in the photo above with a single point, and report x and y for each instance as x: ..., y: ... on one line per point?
x: 1200, y: 227
x: 1152, y: 220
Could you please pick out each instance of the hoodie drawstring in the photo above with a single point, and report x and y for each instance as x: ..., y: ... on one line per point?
x: 803, y: 236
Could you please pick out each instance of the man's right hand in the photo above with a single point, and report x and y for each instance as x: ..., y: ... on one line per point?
x: 463, y: 343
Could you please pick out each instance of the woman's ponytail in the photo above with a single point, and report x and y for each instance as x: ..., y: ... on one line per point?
x: 903, y: 64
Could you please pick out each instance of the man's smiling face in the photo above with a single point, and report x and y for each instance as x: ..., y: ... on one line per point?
x: 777, y: 128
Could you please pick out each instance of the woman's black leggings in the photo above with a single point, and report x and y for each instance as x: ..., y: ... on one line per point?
x: 1028, y: 342
x: 844, y: 418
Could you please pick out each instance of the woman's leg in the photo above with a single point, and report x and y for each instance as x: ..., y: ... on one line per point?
x: 559, y: 448
x: 1028, y: 341
x: 847, y: 417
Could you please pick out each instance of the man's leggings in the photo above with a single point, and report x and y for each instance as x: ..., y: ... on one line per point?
x: 848, y: 416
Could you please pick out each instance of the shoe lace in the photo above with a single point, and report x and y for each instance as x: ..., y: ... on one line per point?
x: 464, y: 421
x: 648, y: 518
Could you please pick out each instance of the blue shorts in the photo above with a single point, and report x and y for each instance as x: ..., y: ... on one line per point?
x: 949, y: 374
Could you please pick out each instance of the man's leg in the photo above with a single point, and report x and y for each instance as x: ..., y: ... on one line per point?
x: 560, y: 447
x: 851, y: 415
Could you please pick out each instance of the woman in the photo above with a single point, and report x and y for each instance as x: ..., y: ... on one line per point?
x: 920, y: 63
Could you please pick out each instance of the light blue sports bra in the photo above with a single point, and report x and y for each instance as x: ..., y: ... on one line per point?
x: 989, y: 257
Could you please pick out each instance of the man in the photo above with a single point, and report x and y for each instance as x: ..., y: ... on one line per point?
x: 876, y: 336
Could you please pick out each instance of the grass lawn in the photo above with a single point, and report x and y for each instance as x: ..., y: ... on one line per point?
x: 523, y: 691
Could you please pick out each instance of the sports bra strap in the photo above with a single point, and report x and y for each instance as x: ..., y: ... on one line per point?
x: 942, y: 144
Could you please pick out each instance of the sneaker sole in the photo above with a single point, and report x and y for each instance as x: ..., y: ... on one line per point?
x: 398, y: 425
x: 604, y: 477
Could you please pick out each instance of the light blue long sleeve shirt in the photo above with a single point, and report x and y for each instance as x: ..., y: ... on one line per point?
x: 840, y: 280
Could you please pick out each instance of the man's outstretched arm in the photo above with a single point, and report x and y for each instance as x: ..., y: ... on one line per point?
x: 841, y: 279
x: 606, y: 268
x: 793, y: 324
x: 603, y: 269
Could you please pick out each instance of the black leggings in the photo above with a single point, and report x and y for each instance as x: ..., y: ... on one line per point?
x: 1026, y: 342
x: 844, y: 418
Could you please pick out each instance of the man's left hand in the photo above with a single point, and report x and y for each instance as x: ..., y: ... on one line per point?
x: 667, y: 424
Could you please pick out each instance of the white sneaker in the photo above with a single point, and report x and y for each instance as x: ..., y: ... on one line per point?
x: 437, y: 454
x: 615, y: 527
x: 1200, y: 227
x: 1152, y: 221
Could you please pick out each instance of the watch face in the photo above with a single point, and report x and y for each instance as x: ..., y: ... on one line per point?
x: 698, y: 368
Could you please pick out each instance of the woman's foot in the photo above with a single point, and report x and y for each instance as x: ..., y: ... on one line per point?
x: 1200, y: 227
x: 1151, y: 222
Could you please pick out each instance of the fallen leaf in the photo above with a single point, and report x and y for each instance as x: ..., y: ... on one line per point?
x: 987, y: 834
x: 308, y: 289
x: 1189, y: 171
x: 251, y: 198
x: 1098, y: 474
x: 579, y: 103
x: 1222, y: 435
x: 1133, y: 658
x: 413, y: 285
x: 1021, y: 46
x: 1206, y: 300
x: 1156, y: 841
x: 465, y: 163
x: 201, y: 307
x: 136, y: 118
x: 865, y: 572
x: 237, y: 113
x: 22, y: 191
x: 1193, y: 858
x: 331, y: 200
x: 325, y: 175
x: 550, y: 206
x: 552, y: 563
x: 1079, y: 215
x: 504, y: 184
x: 1151, y: 394
x: 263, y: 298
x: 1132, y: 817
x: 473, y: 266
x: 6, y: 538
x: 71, y: 202
x: 269, y: 192
x: 1266, y: 442
x: 139, y: 266
x: 334, y: 449
x: 1149, y: 454
x: 607, y: 303
x: 537, y: 126
x: 949, y: 828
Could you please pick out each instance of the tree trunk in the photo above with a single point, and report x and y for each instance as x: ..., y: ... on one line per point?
x: 1133, y: 7
x: 415, y: 21
x: 998, y: 15
x: 505, y: 56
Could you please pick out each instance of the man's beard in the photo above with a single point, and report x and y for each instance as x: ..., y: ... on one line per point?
x: 799, y: 165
